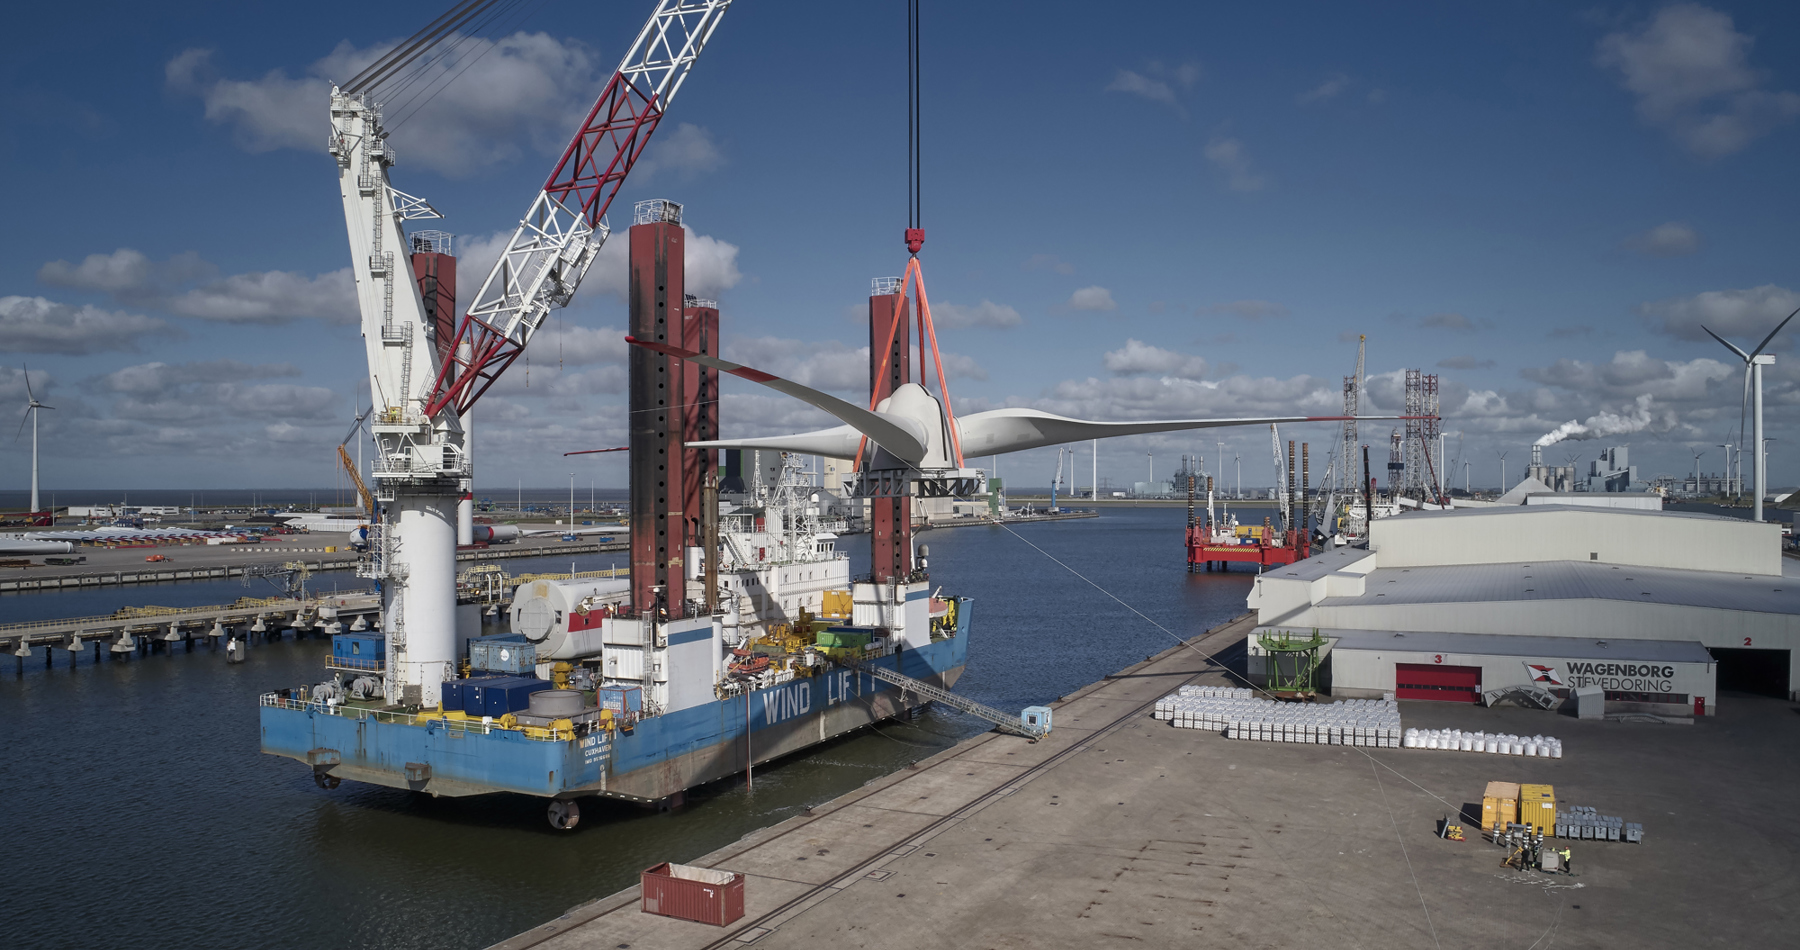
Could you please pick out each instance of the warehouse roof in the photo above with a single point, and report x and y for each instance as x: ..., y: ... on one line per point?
x: 1574, y: 580
x: 1551, y: 510
x: 1505, y: 644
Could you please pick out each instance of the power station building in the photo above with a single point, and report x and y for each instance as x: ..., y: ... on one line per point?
x: 1660, y: 609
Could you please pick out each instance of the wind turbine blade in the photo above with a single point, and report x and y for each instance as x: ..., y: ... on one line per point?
x: 1771, y: 336
x: 1734, y: 347
x: 22, y: 420
x: 622, y: 448
x: 29, y: 395
x: 356, y: 425
x: 1744, y: 409
x: 39, y: 405
x: 882, y: 430
x: 999, y: 431
x: 839, y: 442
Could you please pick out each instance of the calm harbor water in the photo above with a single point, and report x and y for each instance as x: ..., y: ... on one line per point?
x: 136, y: 788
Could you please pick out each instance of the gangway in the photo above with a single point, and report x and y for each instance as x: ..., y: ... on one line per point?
x: 1033, y: 723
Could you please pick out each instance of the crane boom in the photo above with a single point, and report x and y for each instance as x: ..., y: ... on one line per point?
x: 423, y: 385
x: 362, y: 490
x: 562, y: 232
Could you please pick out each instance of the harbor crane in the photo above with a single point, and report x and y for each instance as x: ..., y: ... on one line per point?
x: 425, y: 378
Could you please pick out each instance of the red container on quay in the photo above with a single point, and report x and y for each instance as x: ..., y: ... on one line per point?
x: 702, y: 895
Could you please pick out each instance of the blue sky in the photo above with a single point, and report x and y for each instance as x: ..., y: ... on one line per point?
x: 1182, y: 212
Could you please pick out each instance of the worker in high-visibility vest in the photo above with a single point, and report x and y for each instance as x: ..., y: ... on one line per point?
x: 1568, y: 861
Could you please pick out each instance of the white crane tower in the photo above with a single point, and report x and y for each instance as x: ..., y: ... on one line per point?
x: 422, y: 460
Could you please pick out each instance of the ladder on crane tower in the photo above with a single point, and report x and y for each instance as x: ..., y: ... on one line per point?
x: 1033, y: 727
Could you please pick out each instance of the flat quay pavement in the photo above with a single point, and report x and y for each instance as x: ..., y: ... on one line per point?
x: 1119, y: 830
x: 108, y: 566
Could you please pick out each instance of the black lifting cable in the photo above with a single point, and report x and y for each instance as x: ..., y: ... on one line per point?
x: 416, y: 45
x: 914, y: 136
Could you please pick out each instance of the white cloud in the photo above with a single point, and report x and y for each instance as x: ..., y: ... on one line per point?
x: 1670, y: 239
x: 826, y: 364
x: 1633, y: 372
x: 1749, y: 313
x: 264, y: 297
x: 987, y: 313
x: 1230, y: 157
x: 1330, y: 89
x: 830, y: 365
x: 37, y: 325
x: 686, y: 150
x: 579, y: 346
x: 215, y: 391
x: 1465, y: 362
x: 1096, y: 299
x: 1157, y: 82
x: 1452, y: 321
x: 1139, y: 84
x: 1142, y: 359
x: 1690, y: 69
x: 268, y: 297
x: 710, y: 265
x: 524, y: 91
x: 1048, y: 262
x: 1251, y: 310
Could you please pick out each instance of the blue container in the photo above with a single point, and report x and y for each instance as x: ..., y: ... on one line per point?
x: 358, y: 646
x: 504, y: 695
x: 622, y: 699
x: 465, y: 695
x: 502, y: 653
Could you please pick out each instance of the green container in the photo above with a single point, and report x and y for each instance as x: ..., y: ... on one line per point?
x: 842, y: 639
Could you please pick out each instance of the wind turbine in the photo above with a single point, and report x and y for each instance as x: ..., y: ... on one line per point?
x: 31, y: 409
x: 1502, y: 471
x: 1697, y: 471
x: 1754, y: 361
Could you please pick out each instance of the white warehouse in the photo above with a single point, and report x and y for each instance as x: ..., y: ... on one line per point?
x: 1658, y: 608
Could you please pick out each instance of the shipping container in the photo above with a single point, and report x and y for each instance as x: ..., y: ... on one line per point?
x: 508, y: 694
x: 1499, y: 805
x: 1537, y: 807
x: 502, y: 653
x: 455, y: 692
x: 702, y: 895
x: 622, y: 699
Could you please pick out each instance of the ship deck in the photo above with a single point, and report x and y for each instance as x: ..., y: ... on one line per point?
x: 1119, y: 830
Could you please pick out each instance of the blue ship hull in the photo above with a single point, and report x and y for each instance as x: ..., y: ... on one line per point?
x: 659, y: 758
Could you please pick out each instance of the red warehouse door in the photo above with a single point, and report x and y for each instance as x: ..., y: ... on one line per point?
x: 1449, y: 684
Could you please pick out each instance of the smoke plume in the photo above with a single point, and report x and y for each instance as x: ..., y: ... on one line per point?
x: 1603, y: 423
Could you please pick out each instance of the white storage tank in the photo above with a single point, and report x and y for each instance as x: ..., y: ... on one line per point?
x: 548, y: 613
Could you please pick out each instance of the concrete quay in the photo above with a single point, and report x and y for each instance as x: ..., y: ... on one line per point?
x: 107, y: 567
x: 1118, y: 830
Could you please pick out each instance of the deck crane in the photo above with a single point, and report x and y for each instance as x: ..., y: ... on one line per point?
x: 423, y: 384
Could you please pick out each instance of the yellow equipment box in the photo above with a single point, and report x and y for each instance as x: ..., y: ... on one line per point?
x: 1499, y: 805
x: 1537, y: 807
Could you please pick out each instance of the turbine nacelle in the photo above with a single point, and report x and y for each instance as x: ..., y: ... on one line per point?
x: 911, y: 432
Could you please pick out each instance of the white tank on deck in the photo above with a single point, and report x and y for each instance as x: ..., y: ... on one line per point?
x: 547, y: 611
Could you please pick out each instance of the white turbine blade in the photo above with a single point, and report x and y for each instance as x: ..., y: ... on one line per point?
x: 1734, y: 347
x: 1771, y: 336
x: 885, y: 431
x: 839, y: 442
x: 29, y: 395
x: 22, y: 420
x: 1744, y: 408
x: 999, y: 431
